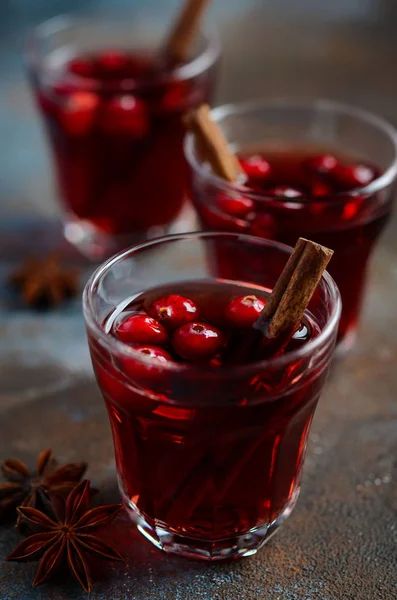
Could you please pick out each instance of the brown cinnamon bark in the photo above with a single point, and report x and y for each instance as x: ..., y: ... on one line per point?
x: 180, y: 41
x: 213, y: 144
x: 294, y: 289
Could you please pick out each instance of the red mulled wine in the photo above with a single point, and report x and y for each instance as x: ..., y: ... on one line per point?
x: 204, y: 470
x: 209, y: 422
x: 114, y: 120
x: 311, y: 193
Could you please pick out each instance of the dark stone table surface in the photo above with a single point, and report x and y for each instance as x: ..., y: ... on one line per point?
x: 341, y: 542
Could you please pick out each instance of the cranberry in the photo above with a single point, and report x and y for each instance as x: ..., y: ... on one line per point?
x: 255, y: 166
x: 197, y: 341
x: 235, y: 206
x: 141, y: 329
x: 174, y: 311
x: 323, y: 164
x: 112, y: 61
x: 219, y: 221
x: 154, y: 353
x: 263, y: 225
x: 354, y: 176
x: 321, y: 189
x: 136, y: 369
x: 125, y: 115
x: 79, y: 112
x: 244, y: 310
x: 81, y: 66
x: 285, y: 191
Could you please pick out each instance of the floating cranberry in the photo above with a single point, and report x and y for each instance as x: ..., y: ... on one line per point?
x: 125, y: 115
x: 112, y: 61
x: 323, y: 164
x: 220, y: 221
x: 255, y: 166
x: 173, y: 311
x: 244, y: 310
x: 354, y: 176
x: 81, y: 66
x: 197, y: 341
x: 141, y: 329
x: 322, y: 191
x: 320, y: 188
x: 263, y: 225
x: 285, y: 191
x: 78, y: 113
x: 236, y: 206
x: 136, y: 369
x: 154, y: 353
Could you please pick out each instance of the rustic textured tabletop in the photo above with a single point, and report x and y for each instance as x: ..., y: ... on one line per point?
x: 341, y: 542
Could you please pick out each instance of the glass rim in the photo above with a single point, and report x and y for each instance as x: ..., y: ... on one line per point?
x: 320, y: 104
x: 194, y: 67
x: 112, y: 342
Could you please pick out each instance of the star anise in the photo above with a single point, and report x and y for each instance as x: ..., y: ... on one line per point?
x: 44, y: 282
x: 68, y: 537
x: 30, y: 489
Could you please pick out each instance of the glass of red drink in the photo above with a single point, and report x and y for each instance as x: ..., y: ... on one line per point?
x: 319, y: 169
x: 209, y: 444
x: 112, y: 109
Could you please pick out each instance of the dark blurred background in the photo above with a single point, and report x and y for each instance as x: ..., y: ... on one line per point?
x: 344, y: 49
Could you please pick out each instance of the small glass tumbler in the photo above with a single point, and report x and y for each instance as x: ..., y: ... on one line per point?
x: 349, y: 222
x: 113, y: 117
x: 209, y: 461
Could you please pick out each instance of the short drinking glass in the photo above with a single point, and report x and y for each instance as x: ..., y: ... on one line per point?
x: 209, y: 457
x: 317, y: 169
x: 112, y: 112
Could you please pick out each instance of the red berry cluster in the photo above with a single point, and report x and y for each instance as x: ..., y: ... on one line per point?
x: 172, y: 329
x: 310, y: 177
x: 81, y: 108
x: 340, y: 177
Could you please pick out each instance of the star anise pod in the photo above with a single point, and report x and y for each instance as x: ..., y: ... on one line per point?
x: 30, y: 488
x: 44, y: 282
x: 68, y: 538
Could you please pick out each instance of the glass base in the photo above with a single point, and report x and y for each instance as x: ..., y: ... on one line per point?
x: 97, y: 245
x: 238, y: 546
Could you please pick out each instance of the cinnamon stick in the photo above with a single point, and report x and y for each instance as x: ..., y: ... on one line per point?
x: 183, y: 33
x: 213, y: 144
x: 294, y: 289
